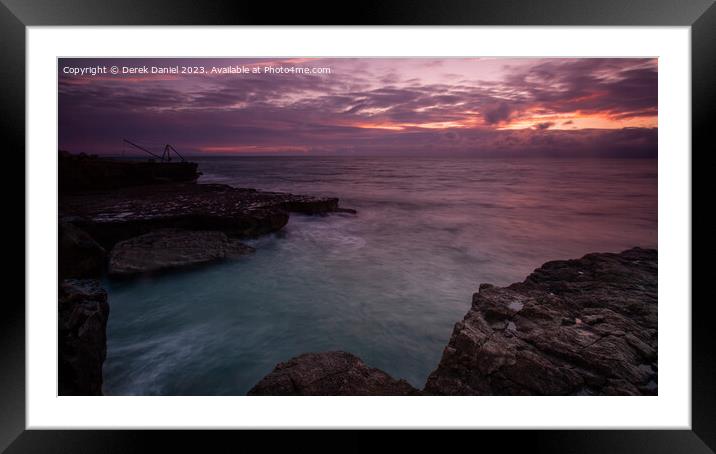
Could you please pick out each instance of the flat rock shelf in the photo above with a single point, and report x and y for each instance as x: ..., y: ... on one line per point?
x: 117, y: 215
x: 171, y: 248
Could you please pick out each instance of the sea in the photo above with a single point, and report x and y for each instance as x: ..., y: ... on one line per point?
x: 387, y: 284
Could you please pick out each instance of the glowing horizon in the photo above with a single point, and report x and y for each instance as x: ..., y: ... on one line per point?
x: 491, y: 106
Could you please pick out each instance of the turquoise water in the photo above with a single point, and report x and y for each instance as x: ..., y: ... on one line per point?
x: 388, y: 284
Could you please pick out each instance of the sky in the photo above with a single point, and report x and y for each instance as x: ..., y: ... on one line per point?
x: 592, y: 107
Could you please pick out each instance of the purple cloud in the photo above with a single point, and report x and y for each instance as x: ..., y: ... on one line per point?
x: 384, y: 106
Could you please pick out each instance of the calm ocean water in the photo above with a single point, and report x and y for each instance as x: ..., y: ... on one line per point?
x: 388, y: 284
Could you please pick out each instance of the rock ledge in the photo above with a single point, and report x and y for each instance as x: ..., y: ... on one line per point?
x: 171, y: 248
x: 586, y: 326
x: 82, y: 342
x: 329, y: 374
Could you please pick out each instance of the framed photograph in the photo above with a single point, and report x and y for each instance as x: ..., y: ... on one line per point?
x: 456, y: 216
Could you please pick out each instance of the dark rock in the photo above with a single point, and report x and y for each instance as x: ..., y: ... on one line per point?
x: 113, y: 216
x: 346, y: 210
x: 586, y: 326
x: 329, y: 374
x: 172, y: 248
x: 79, y: 254
x: 82, y: 341
x: 309, y: 205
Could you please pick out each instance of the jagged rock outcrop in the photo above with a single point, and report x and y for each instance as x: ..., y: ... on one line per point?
x: 586, y: 326
x: 171, y: 248
x: 79, y: 254
x: 573, y: 327
x: 82, y: 340
x: 113, y: 216
x: 329, y: 374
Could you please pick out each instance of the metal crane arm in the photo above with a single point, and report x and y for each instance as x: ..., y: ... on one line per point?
x: 142, y: 148
x: 175, y: 151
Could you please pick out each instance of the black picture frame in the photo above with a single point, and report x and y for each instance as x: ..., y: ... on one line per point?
x: 16, y: 15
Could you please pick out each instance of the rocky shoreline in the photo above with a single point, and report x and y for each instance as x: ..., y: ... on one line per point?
x: 131, y: 229
x: 116, y: 215
x: 573, y: 327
